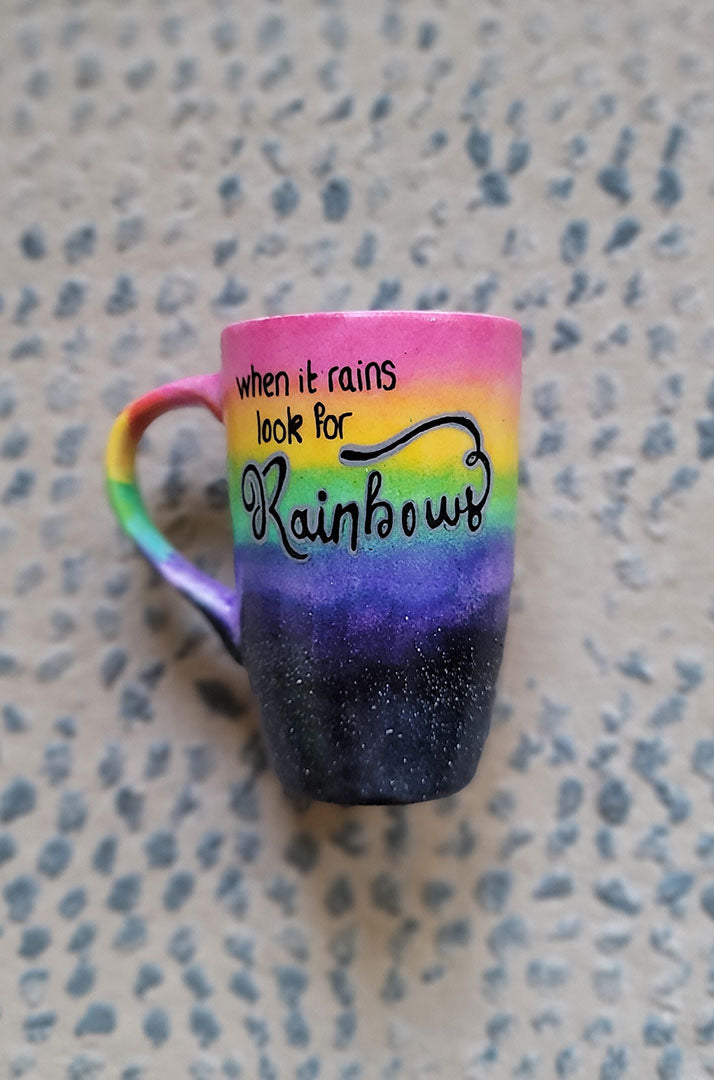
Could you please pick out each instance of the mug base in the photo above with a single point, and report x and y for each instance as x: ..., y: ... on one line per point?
x: 348, y: 795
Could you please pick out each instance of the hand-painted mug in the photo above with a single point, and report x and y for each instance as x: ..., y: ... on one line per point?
x: 372, y: 472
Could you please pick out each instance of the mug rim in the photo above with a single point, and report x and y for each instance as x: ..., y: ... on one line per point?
x: 435, y: 315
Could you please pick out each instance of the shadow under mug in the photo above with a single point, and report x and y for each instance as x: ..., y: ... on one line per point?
x: 372, y: 472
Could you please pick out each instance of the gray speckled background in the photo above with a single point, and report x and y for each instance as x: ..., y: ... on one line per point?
x: 169, y: 167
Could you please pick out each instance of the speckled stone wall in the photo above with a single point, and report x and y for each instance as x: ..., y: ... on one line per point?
x: 169, y: 167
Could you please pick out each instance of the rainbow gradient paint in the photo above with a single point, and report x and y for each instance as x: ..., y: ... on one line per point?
x: 372, y: 464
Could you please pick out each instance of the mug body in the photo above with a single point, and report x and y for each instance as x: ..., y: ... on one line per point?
x: 372, y: 460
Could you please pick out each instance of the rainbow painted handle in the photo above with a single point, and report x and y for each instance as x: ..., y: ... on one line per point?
x: 217, y: 603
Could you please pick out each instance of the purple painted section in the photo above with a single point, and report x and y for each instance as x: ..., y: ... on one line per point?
x: 375, y: 603
x: 467, y: 572
x: 218, y: 602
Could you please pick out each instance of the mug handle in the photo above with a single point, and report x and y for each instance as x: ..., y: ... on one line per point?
x: 217, y: 602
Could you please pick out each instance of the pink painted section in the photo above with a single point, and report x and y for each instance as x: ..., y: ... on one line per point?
x: 447, y: 347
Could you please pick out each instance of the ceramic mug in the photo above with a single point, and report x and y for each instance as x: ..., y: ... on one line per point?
x: 372, y: 472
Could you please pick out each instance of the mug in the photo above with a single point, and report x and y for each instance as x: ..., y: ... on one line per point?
x: 372, y: 472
